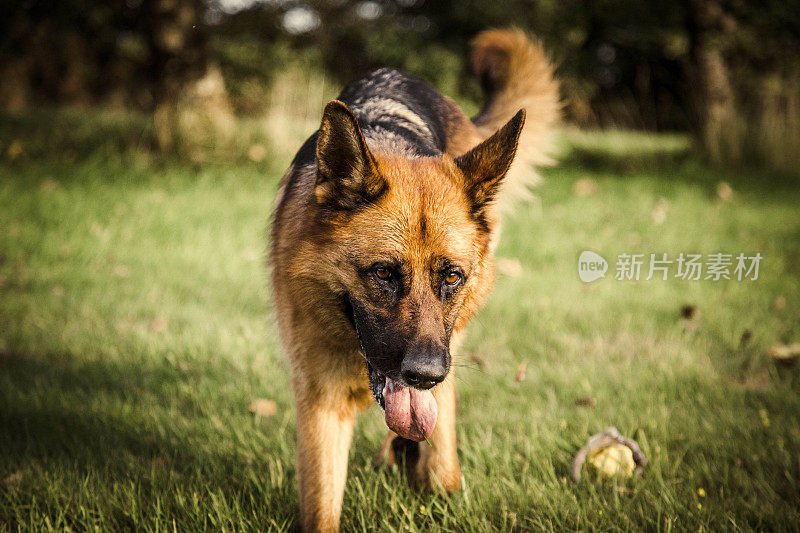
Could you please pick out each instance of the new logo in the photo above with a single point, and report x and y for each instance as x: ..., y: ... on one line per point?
x: 591, y: 266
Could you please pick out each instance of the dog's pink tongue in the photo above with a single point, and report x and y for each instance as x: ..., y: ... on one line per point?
x: 411, y: 413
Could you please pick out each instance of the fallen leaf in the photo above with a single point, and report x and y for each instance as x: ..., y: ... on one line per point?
x: 754, y: 382
x: 251, y: 254
x: 724, y: 191
x: 509, y: 266
x: 57, y: 291
x: 263, y: 408
x: 48, y: 185
x: 122, y: 271
x: 257, y: 153
x: 779, y: 303
x: 120, y: 209
x: 521, y: 370
x: 762, y: 413
x: 125, y: 324
x: 15, y: 150
x: 586, y: 401
x: 689, y: 324
x: 689, y: 317
x: 660, y: 211
x: 13, y: 479
x: 785, y: 355
x: 478, y: 360
x: 159, y: 324
x: 584, y: 187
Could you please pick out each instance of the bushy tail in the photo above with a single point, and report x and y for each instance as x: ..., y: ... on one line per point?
x: 514, y: 72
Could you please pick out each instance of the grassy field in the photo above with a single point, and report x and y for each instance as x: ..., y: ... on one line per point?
x: 136, y: 328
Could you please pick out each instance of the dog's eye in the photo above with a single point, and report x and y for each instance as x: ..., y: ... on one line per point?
x: 383, y: 273
x: 452, y: 278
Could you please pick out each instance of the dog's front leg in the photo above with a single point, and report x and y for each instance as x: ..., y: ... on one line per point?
x: 324, y: 432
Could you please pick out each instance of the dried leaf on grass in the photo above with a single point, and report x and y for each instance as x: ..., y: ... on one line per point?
x: 690, y: 316
x: 660, y: 210
x: 509, y: 266
x: 13, y: 479
x: 257, y: 153
x: 584, y: 187
x: 586, y: 401
x: 263, y: 408
x: 724, y: 191
x: 251, y: 254
x: 785, y: 354
x: 48, y: 185
x: 159, y: 324
x: 521, y: 372
x: 478, y: 361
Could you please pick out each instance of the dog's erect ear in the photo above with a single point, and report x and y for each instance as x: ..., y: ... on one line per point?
x: 485, y: 165
x: 347, y: 175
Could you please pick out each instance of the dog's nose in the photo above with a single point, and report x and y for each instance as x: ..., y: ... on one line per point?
x: 424, y: 371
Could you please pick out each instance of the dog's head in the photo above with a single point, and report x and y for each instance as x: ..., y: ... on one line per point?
x: 407, y: 239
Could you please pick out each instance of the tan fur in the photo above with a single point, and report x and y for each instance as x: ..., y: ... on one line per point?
x: 425, y: 211
x: 516, y: 73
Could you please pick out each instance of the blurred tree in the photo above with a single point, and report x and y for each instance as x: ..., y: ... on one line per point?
x: 59, y: 50
x: 150, y: 54
x: 713, y: 67
x: 190, y: 94
x: 711, y: 27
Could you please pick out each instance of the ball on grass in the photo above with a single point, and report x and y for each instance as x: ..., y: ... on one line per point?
x: 613, y: 460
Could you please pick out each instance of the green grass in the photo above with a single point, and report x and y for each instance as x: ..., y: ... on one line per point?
x: 136, y: 327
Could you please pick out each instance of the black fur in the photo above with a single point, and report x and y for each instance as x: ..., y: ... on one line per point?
x: 428, y: 107
x: 416, y: 95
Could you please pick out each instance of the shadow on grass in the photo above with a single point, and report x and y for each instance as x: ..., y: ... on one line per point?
x: 96, y: 434
x: 670, y: 156
x: 104, y: 418
x: 49, y: 412
x: 72, y: 134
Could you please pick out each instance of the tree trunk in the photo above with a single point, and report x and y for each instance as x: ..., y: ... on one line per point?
x: 712, y: 96
x: 191, y: 101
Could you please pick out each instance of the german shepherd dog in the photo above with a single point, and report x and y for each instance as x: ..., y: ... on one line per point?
x: 381, y: 253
